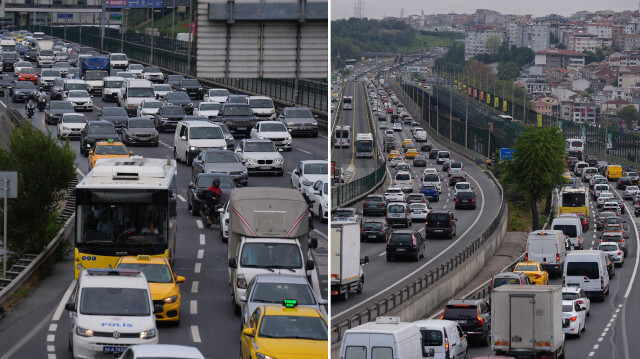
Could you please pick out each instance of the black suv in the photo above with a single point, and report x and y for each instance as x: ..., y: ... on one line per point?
x: 374, y: 230
x: 405, y: 244
x: 96, y: 131
x: 623, y: 182
x: 433, y: 154
x: 473, y: 316
x: 238, y: 117
x: 168, y: 117
x: 466, y: 199
x: 426, y: 147
x: 192, y: 87
x: 374, y: 204
x: 458, y: 177
x: 440, y: 224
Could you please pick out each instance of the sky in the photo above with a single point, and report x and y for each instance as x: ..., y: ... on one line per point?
x: 376, y: 9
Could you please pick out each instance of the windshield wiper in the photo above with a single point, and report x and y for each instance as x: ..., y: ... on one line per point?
x: 280, y: 267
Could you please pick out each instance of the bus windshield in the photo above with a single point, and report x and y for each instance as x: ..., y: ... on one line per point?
x: 573, y: 199
x: 364, y: 145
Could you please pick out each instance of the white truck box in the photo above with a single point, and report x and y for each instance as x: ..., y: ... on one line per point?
x: 527, y: 320
x: 346, y: 265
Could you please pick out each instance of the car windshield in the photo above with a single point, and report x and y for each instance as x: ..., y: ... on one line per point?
x: 316, y: 168
x: 301, y: 113
x: 152, y: 104
x: 141, y: 124
x: 396, y: 209
x: 111, y: 150
x: 114, y: 302
x: 162, y: 87
x: 373, y: 199
x: 95, y: 75
x: 260, y: 147
x: 238, y: 110
x: 55, y: 105
x: 118, y: 58
x: 74, y: 119
x: 273, y: 127
x: 114, y: 111
x: 209, y: 106
x: 62, y: 65
x: 428, y: 188
x: 417, y: 206
x: 50, y: 73
x: 180, y: 96
x: 372, y: 225
x: 136, y: 67
x: 190, y: 82
x: 569, y: 296
x: 431, y: 178
x: 177, y: 110
x: 261, y: 103
x: 459, y: 312
x: 219, y: 92
x: 526, y: 268
x: 221, y: 157
x: 607, y: 248
x: 586, y: 269
x: 403, y: 177
x: 207, y: 181
x: 271, y: 255
x: 14, y: 56
x: 343, y: 213
x: 101, y: 129
x: 78, y: 93
x: 152, y: 69
x: 198, y: 133
x: 463, y: 186
x: 111, y: 84
x: 502, y: 281
x: 294, y: 327
x: 141, y: 92
x: 24, y: 85
x: 276, y: 292
x: 570, y: 230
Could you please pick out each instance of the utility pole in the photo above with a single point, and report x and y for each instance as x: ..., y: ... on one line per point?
x: 153, y: 9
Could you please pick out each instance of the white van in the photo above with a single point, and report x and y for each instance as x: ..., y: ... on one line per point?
x: 403, y: 180
x: 387, y: 337
x: 118, y: 61
x: 193, y: 136
x: 442, y: 155
x: 420, y: 135
x: 442, y: 339
x: 587, y: 172
x: 133, y: 92
x: 116, y: 304
x: 342, y: 136
x: 571, y: 226
x: 587, y: 269
x: 548, y: 248
x: 579, y: 167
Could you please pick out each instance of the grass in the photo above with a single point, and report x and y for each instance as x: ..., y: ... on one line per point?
x: 27, y: 288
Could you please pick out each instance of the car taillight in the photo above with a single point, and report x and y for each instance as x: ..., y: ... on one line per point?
x: 473, y: 200
x: 362, y: 230
x: 557, y: 257
x: 394, y: 182
x: 382, y: 204
x: 580, y: 301
x: 573, y: 319
x: 364, y: 205
x: 601, y: 283
x: 456, y: 200
x: 480, y: 321
x: 526, y: 257
x: 446, y: 347
x: 619, y: 253
x: 442, y: 316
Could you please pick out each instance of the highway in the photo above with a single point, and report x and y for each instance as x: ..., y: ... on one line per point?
x: 207, y: 319
x: 382, y: 277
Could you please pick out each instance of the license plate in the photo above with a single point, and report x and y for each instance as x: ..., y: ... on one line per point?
x: 438, y: 230
x: 265, y: 167
x: 372, y: 236
x: 396, y: 216
x: 417, y: 212
x: 241, y: 128
x: 573, y: 285
x: 108, y: 349
x: 461, y: 321
x: 401, y: 250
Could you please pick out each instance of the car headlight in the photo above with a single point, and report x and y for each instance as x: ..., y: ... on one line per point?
x: 84, y: 332
x: 289, y: 138
x: 183, y: 89
x: 148, y: 334
x: 241, y: 282
x: 193, y: 148
x: 65, y: 128
x: 172, y: 299
x: 278, y: 160
x: 251, y: 160
x: 262, y: 356
x: 200, y: 89
x: 244, y: 172
x: 261, y: 137
x: 190, y: 104
x: 314, y: 124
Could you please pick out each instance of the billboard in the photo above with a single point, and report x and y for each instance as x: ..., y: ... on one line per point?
x: 134, y: 4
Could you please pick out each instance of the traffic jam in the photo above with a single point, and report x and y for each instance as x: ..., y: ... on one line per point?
x: 154, y: 148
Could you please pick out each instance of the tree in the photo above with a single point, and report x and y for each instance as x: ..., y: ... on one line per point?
x: 629, y: 114
x: 492, y: 45
x: 537, y: 166
x: 508, y: 70
x: 45, y: 170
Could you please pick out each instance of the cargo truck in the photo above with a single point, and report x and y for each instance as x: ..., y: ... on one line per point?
x: 268, y: 233
x: 93, y: 70
x: 346, y: 266
x: 526, y: 321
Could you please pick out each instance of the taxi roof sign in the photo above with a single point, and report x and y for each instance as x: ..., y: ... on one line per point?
x: 109, y: 271
x: 143, y: 257
x: 290, y: 303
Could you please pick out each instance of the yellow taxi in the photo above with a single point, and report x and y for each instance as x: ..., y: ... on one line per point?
x: 535, y: 272
x: 163, y: 283
x: 108, y: 149
x: 411, y: 153
x: 405, y: 141
x: 285, y: 332
x: 394, y: 153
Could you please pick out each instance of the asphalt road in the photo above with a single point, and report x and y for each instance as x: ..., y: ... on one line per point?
x: 382, y: 277
x: 41, y: 328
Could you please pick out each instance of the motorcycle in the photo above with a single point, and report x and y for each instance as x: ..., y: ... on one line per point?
x: 42, y: 103
x: 30, y: 110
x: 209, y: 215
x: 636, y: 210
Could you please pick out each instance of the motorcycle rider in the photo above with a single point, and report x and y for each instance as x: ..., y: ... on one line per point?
x: 41, y: 94
x: 214, y: 194
x: 30, y: 107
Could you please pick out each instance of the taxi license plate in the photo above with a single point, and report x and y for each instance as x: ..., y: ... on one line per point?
x: 108, y: 349
x: 573, y: 285
x: 265, y: 167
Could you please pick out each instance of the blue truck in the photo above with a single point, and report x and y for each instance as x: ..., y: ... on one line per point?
x: 93, y: 70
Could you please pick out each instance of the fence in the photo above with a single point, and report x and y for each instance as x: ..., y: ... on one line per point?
x: 349, y: 192
x: 173, y: 56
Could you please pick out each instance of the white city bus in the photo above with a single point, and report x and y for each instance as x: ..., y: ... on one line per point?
x: 347, y: 103
x: 364, y: 145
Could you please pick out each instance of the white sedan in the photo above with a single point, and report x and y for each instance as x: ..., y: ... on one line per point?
x: 573, y: 318
x: 275, y: 131
x: 161, y: 90
x: 71, y: 124
x: 419, y: 211
x: 578, y: 294
x: 307, y: 173
x: 630, y: 192
x: 395, y: 194
x: 613, y: 251
x: 80, y: 99
x: 208, y: 109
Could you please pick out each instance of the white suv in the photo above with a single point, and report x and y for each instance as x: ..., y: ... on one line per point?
x: 260, y: 156
x: 110, y: 310
x: 394, y: 194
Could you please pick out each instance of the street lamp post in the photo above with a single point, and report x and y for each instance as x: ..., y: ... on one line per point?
x: 153, y: 10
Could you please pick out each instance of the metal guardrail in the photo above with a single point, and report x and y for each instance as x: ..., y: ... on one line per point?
x: 426, y: 281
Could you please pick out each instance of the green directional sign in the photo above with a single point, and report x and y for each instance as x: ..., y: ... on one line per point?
x: 609, y: 140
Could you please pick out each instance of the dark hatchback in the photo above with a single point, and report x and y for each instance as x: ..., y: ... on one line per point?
x: 374, y: 204
x: 473, y: 316
x: 140, y: 131
x: 455, y: 178
x: 405, y: 244
x: 374, y: 230
x: 5, y: 84
x: 466, y: 199
x: 22, y: 90
x: 420, y: 161
x: 195, y: 190
x: 440, y: 224
x: 180, y: 98
x: 433, y: 154
x: 623, y: 182
x: 168, y: 117
x: 54, y: 110
x: 96, y: 131
x: 116, y: 115
x: 192, y: 87
x: 426, y: 147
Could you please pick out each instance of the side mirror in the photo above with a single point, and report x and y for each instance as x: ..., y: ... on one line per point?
x: 220, y: 210
x: 130, y: 153
x: 184, y: 138
x: 158, y: 308
x: 91, y: 152
x: 310, y: 264
x: 180, y: 279
x: 191, y: 184
x: 70, y: 306
x: 243, y: 298
x: 313, y: 243
x: 233, y: 263
x: 247, y: 332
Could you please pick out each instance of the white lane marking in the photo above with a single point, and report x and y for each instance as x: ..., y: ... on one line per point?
x: 591, y: 354
x: 200, y: 254
x: 65, y: 299
x: 182, y: 198
x: 320, y: 233
x: 422, y: 267
x: 53, y: 327
x: 307, y: 152
x: 193, y: 307
x: 202, y: 240
x: 195, y: 334
x: 323, y: 136
x: 596, y: 346
x: 197, y: 267
x: 381, y: 254
x: 3, y: 105
x: 51, y: 338
x: 51, y: 348
x: 194, y: 286
x: 199, y: 223
x: 635, y: 266
x: 600, y: 339
x: 51, y: 356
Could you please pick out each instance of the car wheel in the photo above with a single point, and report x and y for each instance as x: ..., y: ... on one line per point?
x: 58, y: 133
x: 417, y: 258
x: 579, y: 333
x: 345, y: 296
x: 487, y: 339
x: 187, y: 159
x: 360, y: 286
x: 584, y: 328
